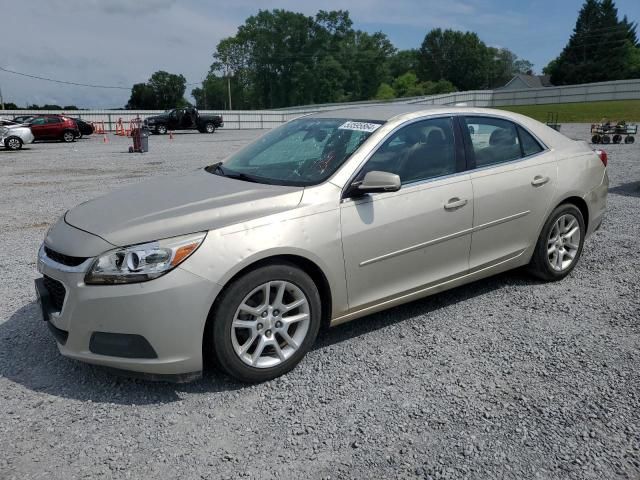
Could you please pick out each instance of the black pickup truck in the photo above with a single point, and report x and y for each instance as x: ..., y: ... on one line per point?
x: 183, y: 119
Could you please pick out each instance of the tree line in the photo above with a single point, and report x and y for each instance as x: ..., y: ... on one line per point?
x: 280, y: 58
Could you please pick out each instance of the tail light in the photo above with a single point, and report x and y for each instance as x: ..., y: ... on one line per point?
x: 603, y: 156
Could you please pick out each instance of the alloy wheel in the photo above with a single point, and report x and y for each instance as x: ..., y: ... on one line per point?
x: 14, y: 144
x: 209, y: 128
x: 270, y: 324
x: 68, y: 137
x: 563, y: 242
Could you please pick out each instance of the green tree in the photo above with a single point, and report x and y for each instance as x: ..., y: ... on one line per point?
x: 142, y: 97
x: 168, y: 89
x: 385, y: 92
x: 403, y: 61
x: 407, y: 85
x: 163, y: 91
x: 280, y: 58
x: 601, y: 47
x: 460, y: 57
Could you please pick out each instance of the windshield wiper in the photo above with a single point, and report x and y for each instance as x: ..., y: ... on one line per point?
x: 217, y: 169
x: 243, y: 176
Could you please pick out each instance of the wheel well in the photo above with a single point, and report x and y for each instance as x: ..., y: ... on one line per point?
x: 306, y: 265
x: 582, y: 206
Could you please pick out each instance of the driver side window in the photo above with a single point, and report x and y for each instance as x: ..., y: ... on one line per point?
x: 419, y: 151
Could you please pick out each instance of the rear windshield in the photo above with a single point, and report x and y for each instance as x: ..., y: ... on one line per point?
x: 302, y: 152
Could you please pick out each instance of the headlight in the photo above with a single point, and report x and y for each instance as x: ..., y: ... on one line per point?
x: 139, y: 263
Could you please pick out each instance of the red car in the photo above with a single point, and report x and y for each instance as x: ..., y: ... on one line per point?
x: 54, y: 127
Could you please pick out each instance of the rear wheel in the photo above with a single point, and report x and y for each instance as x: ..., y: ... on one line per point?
x: 68, y: 136
x: 596, y: 138
x: 560, y: 244
x: 79, y: 135
x: 265, y: 322
x: 606, y: 139
x: 13, y: 143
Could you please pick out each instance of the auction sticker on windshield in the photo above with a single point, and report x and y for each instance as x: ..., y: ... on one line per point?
x: 360, y: 126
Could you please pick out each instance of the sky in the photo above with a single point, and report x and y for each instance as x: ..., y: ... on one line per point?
x: 122, y: 42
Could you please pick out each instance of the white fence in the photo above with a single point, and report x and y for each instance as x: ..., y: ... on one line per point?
x: 256, y: 119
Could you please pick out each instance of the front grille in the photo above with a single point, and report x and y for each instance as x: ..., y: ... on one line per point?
x: 56, y: 292
x: 64, y: 259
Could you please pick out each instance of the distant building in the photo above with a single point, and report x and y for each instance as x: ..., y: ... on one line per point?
x: 523, y: 81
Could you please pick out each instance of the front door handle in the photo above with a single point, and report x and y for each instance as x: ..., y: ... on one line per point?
x: 539, y: 180
x: 455, y: 203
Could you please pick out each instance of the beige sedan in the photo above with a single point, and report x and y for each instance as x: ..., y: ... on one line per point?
x: 325, y: 219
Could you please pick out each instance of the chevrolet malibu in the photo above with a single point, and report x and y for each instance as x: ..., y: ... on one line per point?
x: 325, y: 219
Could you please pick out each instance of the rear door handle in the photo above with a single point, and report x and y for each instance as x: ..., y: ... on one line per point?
x: 539, y: 180
x: 455, y: 203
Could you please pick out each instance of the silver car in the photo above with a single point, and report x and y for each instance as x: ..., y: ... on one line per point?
x: 325, y: 219
x: 14, y: 136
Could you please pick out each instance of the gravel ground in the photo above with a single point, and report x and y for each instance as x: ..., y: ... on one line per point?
x: 503, y: 378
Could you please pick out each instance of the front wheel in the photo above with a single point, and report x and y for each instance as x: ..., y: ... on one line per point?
x: 265, y: 322
x: 560, y: 244
x: 13, y: 143
x: 68, y: 136
x: 161, y: 129
x: 209, y: 128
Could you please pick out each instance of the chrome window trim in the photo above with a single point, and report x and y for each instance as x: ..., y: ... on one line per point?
x: 385, y: 138
x: 545, y: 147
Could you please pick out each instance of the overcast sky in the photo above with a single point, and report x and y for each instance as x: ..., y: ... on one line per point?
x: 122, y: 42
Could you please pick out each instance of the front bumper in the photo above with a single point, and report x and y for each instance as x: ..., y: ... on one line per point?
x: 154, y: 327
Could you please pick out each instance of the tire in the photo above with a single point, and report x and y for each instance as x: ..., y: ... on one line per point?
x: 266, y: 323
x: 13, y: 143
x: 68, y: 136
x: 161, y: 129
x: 629, y: 140
x: 606, y: 139
x: 543, y: 260
x: 79, y: 135
x: 209, y: 127
x: 596, y: 139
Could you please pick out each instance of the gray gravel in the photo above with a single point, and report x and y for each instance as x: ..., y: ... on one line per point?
x: 504, y: 378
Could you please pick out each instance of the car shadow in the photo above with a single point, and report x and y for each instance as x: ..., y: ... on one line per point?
x: 29, y: 356
x: 25, y: 147
x: 631, y: 189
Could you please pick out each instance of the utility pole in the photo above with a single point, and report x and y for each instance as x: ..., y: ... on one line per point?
x: 229, y: 87
x: 1, y: 100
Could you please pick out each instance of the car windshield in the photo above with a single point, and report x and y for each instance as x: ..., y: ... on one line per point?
x: 302, y: 152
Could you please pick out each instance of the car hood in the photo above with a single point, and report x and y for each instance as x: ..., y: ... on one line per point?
x: 169, y: 207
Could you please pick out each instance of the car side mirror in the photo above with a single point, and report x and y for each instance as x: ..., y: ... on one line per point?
x: 375, y: 182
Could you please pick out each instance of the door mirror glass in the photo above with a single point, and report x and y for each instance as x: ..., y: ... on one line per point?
x: 376, y: 181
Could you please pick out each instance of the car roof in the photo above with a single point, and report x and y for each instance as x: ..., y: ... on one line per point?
x: 377, y: 112
x: 400, y: 113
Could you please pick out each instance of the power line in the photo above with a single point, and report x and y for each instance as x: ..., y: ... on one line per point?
x: 77, y: 84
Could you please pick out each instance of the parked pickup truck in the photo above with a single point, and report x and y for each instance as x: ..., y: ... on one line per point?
x: 183, y: 119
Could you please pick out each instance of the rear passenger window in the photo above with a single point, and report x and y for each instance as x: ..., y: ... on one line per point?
x: 494, y: 140
x: 530, y: 145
